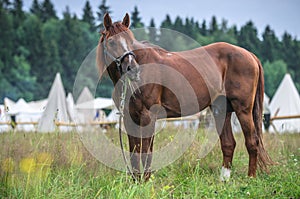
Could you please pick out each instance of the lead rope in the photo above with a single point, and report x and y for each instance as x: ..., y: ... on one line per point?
x: 122, y: 104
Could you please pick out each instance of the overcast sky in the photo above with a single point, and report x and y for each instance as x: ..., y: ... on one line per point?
x: 281, y: 15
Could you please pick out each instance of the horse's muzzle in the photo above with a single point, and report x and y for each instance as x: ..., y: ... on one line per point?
x: 133, y: 73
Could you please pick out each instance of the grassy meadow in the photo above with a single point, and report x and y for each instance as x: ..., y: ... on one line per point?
x: 57, y: 165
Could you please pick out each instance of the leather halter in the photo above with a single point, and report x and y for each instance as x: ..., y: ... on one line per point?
x: 118, y: 60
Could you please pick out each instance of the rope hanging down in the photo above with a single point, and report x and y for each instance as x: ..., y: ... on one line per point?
x: 122, y: 104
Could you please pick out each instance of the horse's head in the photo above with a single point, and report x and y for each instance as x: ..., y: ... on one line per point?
x: 117, y: 48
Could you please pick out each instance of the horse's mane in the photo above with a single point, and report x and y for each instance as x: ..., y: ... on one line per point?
x: 151, y: 45
x: 116, y: 28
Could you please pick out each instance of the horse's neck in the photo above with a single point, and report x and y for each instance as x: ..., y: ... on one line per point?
x: 149, y: 53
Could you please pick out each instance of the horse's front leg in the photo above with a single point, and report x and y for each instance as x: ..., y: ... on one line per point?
x: 147, y: 149
x: 147, y: 128
x: 135, y: 157
x: 141, y: 139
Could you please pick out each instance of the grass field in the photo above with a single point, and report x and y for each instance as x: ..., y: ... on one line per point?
x: 57, y: 165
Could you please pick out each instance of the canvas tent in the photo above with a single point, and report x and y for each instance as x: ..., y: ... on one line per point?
x: 56, y: 109
x: 85, y: 96
x: 92, y: 109
x: 3, y: 119
x: 71, y: 107
x: 98, y: 103
x: 285, y: 102
x: 85, y: 115
x: 22, y: 111
x: 113, y: 115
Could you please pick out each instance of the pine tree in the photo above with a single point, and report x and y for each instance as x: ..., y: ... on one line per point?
x: 6, y: 41
x: 36, y: 8
x: 75, y: 42
x: 167, y: 23
x: 290, y: 53
x: 247, y: 38
x: 213, y: 25
x: 224, y: 26
x: 166, y: 39
x: 190, y: 28
x: 88, y: 15
x: 48, y: 11
x: 270, y: 45
x: 18, y: 12
x: 178, y: 25
x: 152, y: 32
x: 203, y: 29
x: 5, y: 4
x: 32, y: 28
x: 136, y: 20
x: 50, y: 36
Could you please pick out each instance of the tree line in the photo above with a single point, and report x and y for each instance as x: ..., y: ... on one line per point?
x: 36, y: 44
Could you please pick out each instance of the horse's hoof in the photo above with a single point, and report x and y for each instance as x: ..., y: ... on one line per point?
x: 225, y: 174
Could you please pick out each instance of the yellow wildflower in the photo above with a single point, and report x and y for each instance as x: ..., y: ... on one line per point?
x: 27, y: 165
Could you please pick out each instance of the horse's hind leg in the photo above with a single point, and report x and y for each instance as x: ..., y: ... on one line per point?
x: 228, y: 143
x: 251, y: 140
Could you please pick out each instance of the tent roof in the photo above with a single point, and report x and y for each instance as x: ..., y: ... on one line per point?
x: 286, y: 99
x: 98, y: 103
x: 286, y: 102
x: 71, y: 106
x: 56, y: 109
x: 21, y: 106
x: 39, y: 105
x: 85, y: 96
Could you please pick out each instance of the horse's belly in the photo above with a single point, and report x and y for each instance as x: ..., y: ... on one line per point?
x: 185, y: 102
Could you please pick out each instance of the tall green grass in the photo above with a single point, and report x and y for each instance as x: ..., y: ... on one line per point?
x: 57, y: 165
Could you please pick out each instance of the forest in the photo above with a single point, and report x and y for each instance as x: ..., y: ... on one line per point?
x: 36, y: 44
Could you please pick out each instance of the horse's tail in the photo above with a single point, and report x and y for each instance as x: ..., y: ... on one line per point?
x: 264, y: 160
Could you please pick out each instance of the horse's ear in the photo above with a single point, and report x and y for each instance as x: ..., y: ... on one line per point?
x: 126, y: 20
x: 107, y: 21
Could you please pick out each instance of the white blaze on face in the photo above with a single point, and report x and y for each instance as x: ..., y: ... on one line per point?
x: 225, y: 174
x: 125, y: 47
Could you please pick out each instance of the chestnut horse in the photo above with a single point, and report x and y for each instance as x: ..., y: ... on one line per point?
x: 224, y: 71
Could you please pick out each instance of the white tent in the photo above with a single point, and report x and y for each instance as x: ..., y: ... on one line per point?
x: 3, y: 119
x: 98, y: 103
x: 113, y: 115
x: 71, y: 107
x: 56, y: 109
x: 21, y: 106
x: 8, y: 104
x: 285, y: 102
x: 85, y: 115
x: 90, y: 110
x: 24, y: 112
x: 85, y: 96
x: 39, y: 105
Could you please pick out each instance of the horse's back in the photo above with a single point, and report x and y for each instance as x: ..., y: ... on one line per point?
x: 240, y: 69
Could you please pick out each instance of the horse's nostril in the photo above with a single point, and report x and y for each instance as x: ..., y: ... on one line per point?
x: 128, y: 68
